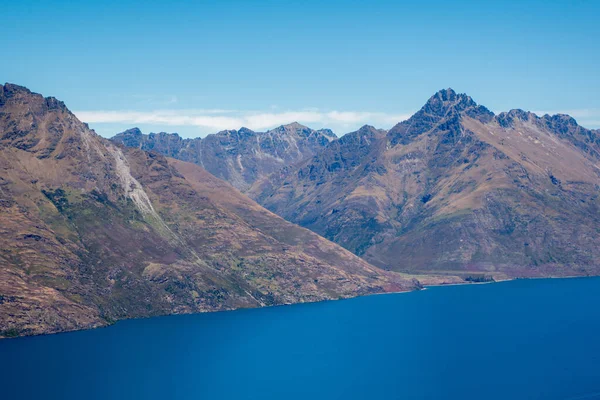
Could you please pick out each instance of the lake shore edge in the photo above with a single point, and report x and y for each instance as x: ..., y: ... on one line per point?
x: 441, y: 283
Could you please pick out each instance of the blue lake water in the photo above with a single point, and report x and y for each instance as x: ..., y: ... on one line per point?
x: 525, y: 339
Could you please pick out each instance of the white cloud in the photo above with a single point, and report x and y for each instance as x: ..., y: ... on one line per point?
x: 212, y: 120
x: 199, y: 122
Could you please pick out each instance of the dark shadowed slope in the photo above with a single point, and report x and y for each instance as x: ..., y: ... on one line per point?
x: 454, y: 188
x: 92, y: 232
x: 239, y: 157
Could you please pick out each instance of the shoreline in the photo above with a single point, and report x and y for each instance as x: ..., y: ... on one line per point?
x: 424, y: 287
x: 508, y: 279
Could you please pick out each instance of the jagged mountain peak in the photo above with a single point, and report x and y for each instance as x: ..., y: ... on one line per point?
x: 237, y: 156
x: 448, y: 94
x: 245, y: 131
x: 328, y: 133
x: 132, y: 131
x: 132, y: 137
x: 367, y: 128
x: 17, y: 93
x: 294, y: 128
x: 242, y: 132
x: 9, y: 89
x: 297, y: 128
x: 364, y: 135
x: 522, y: 115
x: 506, y: 119
x: 438, y: 107
x: 40, y: 125
x: 447, y: 99
x: 294, y: 125
x: 135, y: 131
x: 564, y: 120
x: 561, y: 124
x: 444, y: 109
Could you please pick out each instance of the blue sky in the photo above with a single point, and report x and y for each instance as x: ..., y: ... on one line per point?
x: 198, y: 67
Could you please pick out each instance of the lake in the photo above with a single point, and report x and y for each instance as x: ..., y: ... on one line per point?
x: 524, y: 339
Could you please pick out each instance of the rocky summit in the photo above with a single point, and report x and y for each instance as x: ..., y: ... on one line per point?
x: 238, y: 156
x: 454, y: 189
x: 92, y: 232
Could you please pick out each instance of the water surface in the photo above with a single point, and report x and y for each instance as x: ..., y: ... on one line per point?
x: 525, y: 339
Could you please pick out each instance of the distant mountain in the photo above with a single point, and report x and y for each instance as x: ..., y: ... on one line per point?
x: 92, y: 232
x: 454, y: 189
x: 239, y: 157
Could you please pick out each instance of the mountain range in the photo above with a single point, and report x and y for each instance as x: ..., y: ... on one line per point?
x: 92, y: 232
x: 455, y: 189
x: 238, y: 156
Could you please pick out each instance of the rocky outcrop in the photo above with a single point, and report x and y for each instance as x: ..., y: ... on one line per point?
x: 454, y: 189
x: 237, y: 156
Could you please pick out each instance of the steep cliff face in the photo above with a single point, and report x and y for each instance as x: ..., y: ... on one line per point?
x: 239, y: 157
x: 454, y: 188
x: 92, y: 232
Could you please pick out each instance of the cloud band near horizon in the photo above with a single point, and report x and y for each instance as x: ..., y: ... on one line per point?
x: 208, y: 121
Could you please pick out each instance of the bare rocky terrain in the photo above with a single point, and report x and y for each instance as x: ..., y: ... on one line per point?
x: 92, y: 232
x: 238, y: 156
x: 454, y: 189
